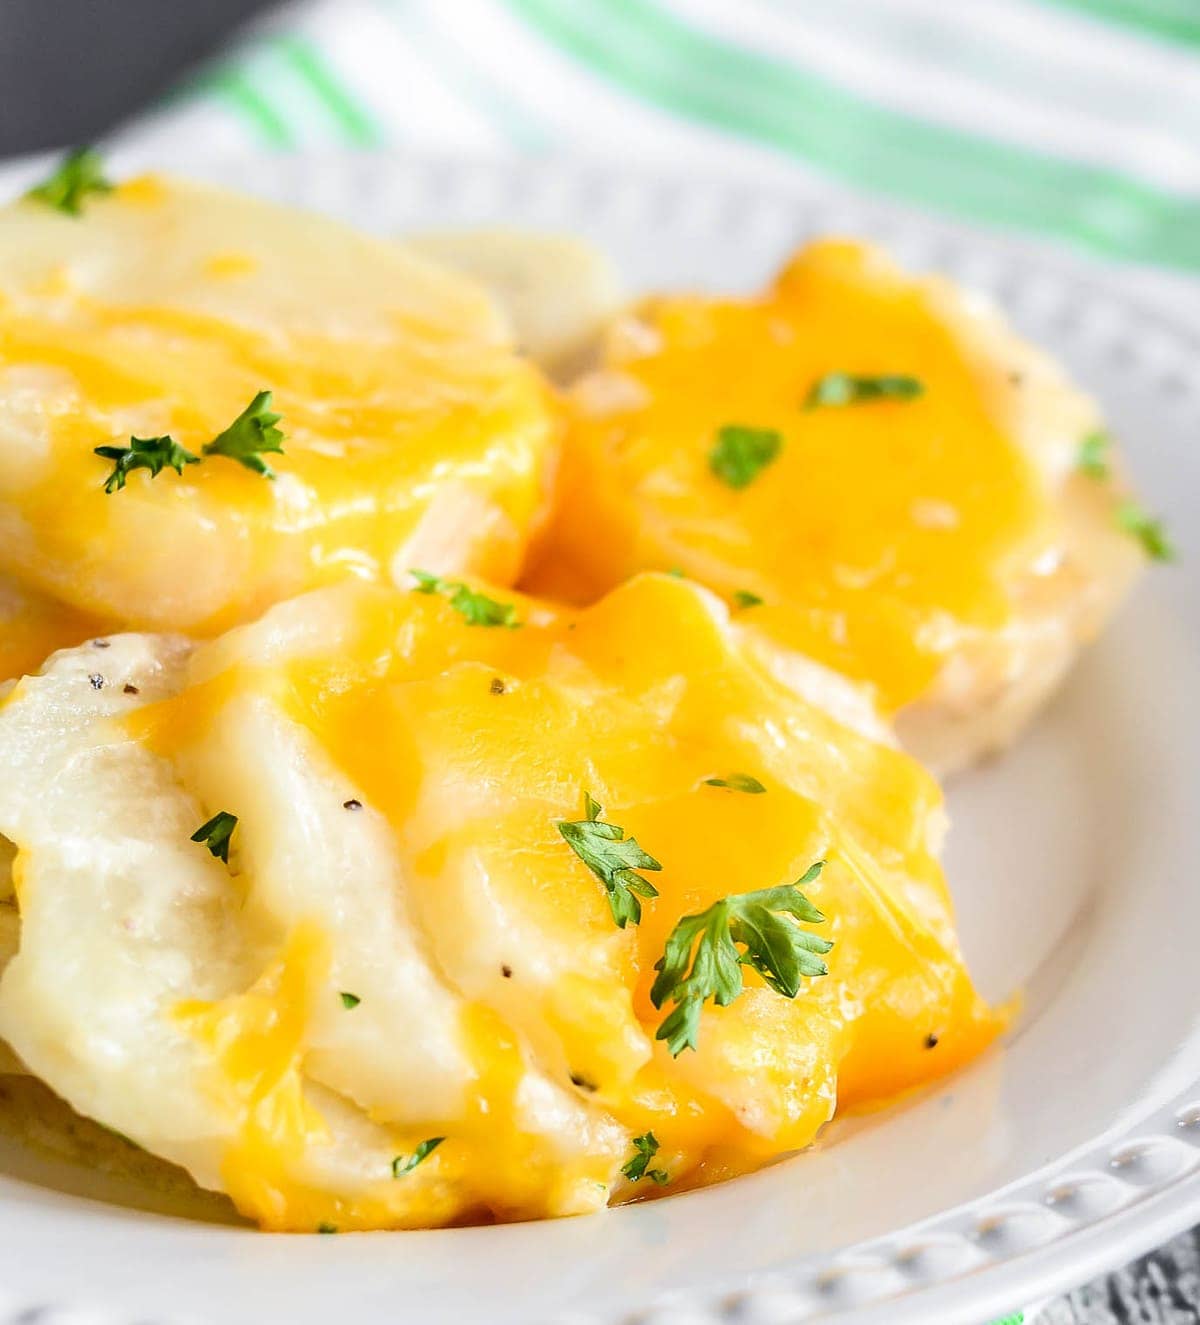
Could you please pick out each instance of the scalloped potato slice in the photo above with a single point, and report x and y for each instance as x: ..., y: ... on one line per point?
x: 945, y: 550
x: 413, y: 433
x: 398, y: 776
x: 557, y: 291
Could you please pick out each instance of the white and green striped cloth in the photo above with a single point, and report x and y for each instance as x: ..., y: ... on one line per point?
x: 1073, y: 119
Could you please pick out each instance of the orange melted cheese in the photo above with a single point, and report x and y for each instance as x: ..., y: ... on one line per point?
x: 411, y: 429
x: 33, y: 627
x: 472, y: 744
x: 882, y: 534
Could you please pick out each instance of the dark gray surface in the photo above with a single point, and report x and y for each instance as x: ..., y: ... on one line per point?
x: 1160, y: 1289
x: 70, y: 70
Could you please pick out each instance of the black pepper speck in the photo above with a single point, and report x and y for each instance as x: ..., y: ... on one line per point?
x: 352, y: 805
x: 131, y: 689
x: 97, y: 681
x: 497, y: 686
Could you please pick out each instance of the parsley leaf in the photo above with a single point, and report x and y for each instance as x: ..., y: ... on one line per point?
x: 738, y: 782
x: 152, y: 453
x: 215, y: 834
x: 403, y: 1165
x: 476, y: 609
x: 743, y: 598
x: 740, y: 453
x: 79, y: 173
x: 847, y: 389
x: 249, y: 435
x: 1093, y: 455
x: 780, y: 951
x: 326, y: 1228
x: 613, y: 859
x: 1155, y: 541
x: 645, y: 1148
x: 349, y: 1001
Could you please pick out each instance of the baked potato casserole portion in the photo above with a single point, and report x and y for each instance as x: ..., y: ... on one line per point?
x: 209, y: 403
x: 413, y: 907
x: 874, y: 470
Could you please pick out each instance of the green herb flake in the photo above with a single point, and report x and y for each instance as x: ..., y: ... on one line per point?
x: 349, y: 1001
x: 837, y: 389
x: 476, y: 609
x: 778, y: 949
x: 738, y: 782
x: 403, y: 1165
x: 1149, y: 532
x: 327, y: 1228
x: 1092, y: 459
x: 614, y: 859
x: 251, y: 434
x: 215, y: 834
x: 79, y: 173
x: 740, y: 454
x: 152, y: 453
x: 743, y: 598
x: 645, y: 1148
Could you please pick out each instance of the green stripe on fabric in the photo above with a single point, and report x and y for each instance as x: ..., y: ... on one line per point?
x: 651, y: 53
x: 240, y: 93
x: 1158, y: 18
x: 351, y: 117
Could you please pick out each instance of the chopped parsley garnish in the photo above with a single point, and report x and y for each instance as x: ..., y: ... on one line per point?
x: 349, y: 1001
x: 743, y: 598
x: 402, y: 1165
x: 676, y: 573
x: 778, y: 949
x: 152, y: 453
x: 251, y: 434
x: 739, y: 454
x: 1093, y: 455
x: 215, y: 834
x: 476, y: 609
x: 614, y: 859
x: 79, y: 173
x: 847, y: 389
x: 327, y: 1228
x: 738, y: 782
x: 1149, y: 532
x: 645, y: 1148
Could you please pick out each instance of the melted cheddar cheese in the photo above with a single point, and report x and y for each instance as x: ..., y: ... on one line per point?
x: 32, y: 627
x: 884, y: 534
x: 413, y: 435
x: 398, y: 777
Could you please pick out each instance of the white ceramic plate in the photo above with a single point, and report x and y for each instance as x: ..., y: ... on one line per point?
x: 1075, y: 861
